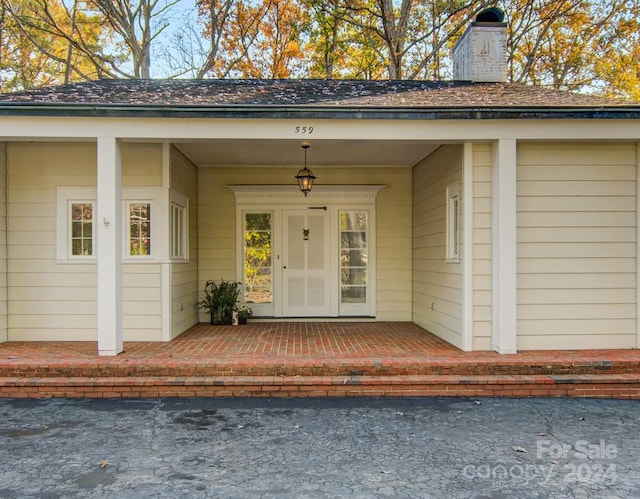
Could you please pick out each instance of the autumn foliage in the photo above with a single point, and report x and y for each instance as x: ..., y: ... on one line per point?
x: 580, y: 45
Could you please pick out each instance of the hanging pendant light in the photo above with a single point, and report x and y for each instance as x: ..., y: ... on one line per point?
x: 305, y: 176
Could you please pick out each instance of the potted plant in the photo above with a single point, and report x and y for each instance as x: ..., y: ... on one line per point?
x: 244, y: 311
x: 219, y: 299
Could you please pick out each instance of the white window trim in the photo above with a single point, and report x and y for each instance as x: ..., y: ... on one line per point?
x: 126, y: 241
x: 65, y: 196
x: 158, y: 198
x: 181, y: 201
x: 367, y: 308
x: 259, y: 309
x: 160, y: 244
x: 453, y: 223
x: 69, y: 214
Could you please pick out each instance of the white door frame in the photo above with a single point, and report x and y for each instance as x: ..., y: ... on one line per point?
x: 276, y: 198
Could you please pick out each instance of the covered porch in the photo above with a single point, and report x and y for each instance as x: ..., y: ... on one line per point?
x: 483, y: 227
x: 303, y: 359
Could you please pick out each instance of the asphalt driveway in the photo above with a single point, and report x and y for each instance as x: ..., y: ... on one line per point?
x: 320, y: 448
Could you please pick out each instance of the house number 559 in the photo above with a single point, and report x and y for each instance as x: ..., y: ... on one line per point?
x: 308, y: 130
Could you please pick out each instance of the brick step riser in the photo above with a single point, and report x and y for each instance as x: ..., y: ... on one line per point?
x: 321, y: 370
x: 602, y: 386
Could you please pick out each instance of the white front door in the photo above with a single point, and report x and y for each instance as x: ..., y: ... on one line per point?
x: 306, y: 275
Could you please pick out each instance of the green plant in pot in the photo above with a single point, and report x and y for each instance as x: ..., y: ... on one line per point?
x: 219, y: 299
x: 244, y: 311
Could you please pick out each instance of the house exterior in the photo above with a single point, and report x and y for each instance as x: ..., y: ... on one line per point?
x: 497, y: 216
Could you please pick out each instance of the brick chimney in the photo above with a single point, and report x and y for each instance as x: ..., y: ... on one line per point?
x: 481, y: 53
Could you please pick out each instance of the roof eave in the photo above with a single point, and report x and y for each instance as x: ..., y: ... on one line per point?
x: 317, y: 112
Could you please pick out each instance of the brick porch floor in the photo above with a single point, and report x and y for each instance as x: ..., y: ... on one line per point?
x: 310, y: 359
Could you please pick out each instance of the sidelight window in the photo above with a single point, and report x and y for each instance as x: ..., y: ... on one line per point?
x: 258, y: 270
x: 354, y: 256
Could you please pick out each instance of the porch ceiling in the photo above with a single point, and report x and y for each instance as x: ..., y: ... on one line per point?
x: 264, y: 152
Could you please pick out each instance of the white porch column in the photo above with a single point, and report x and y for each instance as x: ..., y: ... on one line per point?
x: 504, y: 246
x: 109, y: 232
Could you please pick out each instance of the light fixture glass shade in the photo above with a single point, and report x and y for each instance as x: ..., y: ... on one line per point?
x: 305, y: 176
x: 305, y: 180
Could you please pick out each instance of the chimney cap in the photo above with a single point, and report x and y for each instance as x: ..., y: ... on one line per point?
x: 490, y: 15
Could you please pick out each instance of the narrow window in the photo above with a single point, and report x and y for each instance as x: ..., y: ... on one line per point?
x: 139, y: 228
x: 178, y: 231
x: 82, y: 235
x: 354, y: 256
x: 453, y: 223
x: 258, y: 272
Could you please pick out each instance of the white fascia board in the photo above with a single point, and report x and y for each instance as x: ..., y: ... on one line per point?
x: 168, y: 129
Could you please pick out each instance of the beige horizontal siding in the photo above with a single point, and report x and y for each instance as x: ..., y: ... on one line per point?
x: 597, y: 339
x: 73, y: 293
x: 482, y: 247
x: 58, y: 301
x: 576, y: 246
x: 141, y: 165
x: 142, y: 302
x: 217, y: 226
x: 437, y: 285
x: 184, y: 275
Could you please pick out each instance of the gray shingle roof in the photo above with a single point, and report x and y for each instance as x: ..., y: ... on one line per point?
x: 165, y: 97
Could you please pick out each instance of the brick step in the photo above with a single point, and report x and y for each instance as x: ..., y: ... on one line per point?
x: 587, y: 385
x: 341, y: 367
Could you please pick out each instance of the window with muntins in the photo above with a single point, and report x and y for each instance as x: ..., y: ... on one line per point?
x: 354, y: 256
x: 453, y: 223
x: 82, y: 229
x: 139, y: 228
x: 258, y: 270
x: 178, y: 232
x: 154, y: 224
